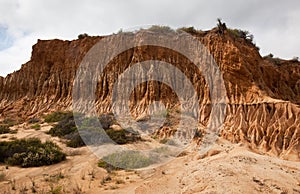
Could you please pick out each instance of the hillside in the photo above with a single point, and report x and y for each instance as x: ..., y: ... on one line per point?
x: 262, y: 94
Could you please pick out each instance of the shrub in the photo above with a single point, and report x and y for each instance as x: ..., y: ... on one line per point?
x: 122, y: 136
x: 163, y: 141
x: 66, y: 128
x: 106, y: 121
x: 128, y: 160
x: 4, y: 129
x: 81, y: 36
x: 57, y: 116
x: 190, y: 30
x: 161, y: 29
x: 33, y: 120
x: 238, y: 33
x: 269, y: 56
x: 30, y: 152
x: 9, y: 122
x: 63, y: 128
x: 75, y: 140
x: 2, y: 176
x: 36, y: 126
x: 107, y: 166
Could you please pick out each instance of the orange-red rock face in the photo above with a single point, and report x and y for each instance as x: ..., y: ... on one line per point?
x: 263, y: 94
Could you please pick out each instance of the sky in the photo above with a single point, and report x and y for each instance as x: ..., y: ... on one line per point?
x: 275, y: 24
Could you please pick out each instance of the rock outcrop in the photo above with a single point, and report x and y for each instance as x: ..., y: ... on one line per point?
x: 263, y: 94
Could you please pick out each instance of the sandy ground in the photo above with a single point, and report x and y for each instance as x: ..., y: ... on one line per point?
x: 226, y: 168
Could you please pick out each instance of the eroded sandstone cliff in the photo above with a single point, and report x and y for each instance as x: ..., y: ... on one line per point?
x: 263, y: 94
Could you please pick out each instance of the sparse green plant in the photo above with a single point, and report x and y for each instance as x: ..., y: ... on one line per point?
x: 9, y: 122
x: 33, y: 120
x: 4, y: 129
x: 120, y: 181
x: 162, y: 149
x: 108, y: 167
x: 36, y: 126
x: 113, y: 187
x: 2, y: 176
x: 163, y: 141
x: 13, y: 131
x: 23, y: 189
x: 92, y: 173
x: 33, y: 189
x: 75, y: 140
x: 54, y: 178
x: 184, y: 153
x: 75, y: 152
x: 13, y: 138
x: 55, y: 190
x: 106, y: 179
x: 60, y: 175
x: 13, y: 184
x: 269, y: 56
x: 77, y: 190
x: 82, y: 176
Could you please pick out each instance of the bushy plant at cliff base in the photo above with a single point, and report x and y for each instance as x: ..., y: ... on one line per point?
x: 30, y: 153
x: 4, y: 129
x: 126, y: 160
x: 66, y: 128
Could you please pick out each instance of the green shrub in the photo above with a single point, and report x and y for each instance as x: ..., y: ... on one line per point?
x: 30, y: 152
x: 161, y: 29
x: 33, y: 120
x: 63, y: 128
x: 57, y: 116
x: 238, y: 33
x: 127, y: 160
x: 107, y: 166
x: 163, y: 141
x: 106, y: 120
x: 75, y: 140
x: 66, y: 128
x: 36, y: 126
x: 190, y: 30
x: 4, y: 129
x: 122, y: 136
x: 81, y: 36
x: 9, y: 122
x: 2, y: 176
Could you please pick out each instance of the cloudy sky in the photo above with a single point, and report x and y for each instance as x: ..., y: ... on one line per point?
x: 274, y: 23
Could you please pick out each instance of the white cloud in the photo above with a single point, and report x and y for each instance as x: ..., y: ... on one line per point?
x: 273, y: 23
